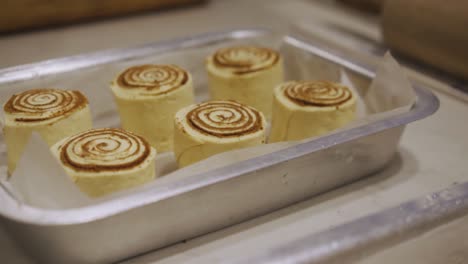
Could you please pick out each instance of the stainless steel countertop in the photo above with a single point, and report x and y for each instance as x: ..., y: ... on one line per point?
x: 439, y: 157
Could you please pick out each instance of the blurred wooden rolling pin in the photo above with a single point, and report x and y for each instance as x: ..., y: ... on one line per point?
x: 22, y: 14
x: 432, y: 31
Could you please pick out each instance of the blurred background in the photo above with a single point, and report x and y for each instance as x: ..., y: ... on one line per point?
x: 425, y: 32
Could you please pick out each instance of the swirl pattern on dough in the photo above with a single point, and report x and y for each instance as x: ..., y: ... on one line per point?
x: 151, y: 79
x: 225, y: 119
x: 245, y: 59
x: 44, y: 104
x: 106, y: 149
x: 317, y: 93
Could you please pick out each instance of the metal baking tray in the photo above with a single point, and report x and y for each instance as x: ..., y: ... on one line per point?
x: 150, y: 218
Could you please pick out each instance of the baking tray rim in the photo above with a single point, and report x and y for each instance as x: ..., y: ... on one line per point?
x: 368, y: 232
x: 427, y: 103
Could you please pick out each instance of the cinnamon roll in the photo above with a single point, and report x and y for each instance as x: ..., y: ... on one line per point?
x: 102, y: 161
x: 310, y: 108
x: 247, y: 74
x: 53, y: 113
x: 205, y: 129
x: 148, y: 96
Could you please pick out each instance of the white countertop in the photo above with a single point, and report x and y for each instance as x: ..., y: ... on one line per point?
x: 432, y: 155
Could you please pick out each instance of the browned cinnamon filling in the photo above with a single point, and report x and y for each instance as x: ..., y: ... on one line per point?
x: 317, y: 93
x: 225, y: 119
x: 246, y: 59
x: 155, y: 79
x: 44, y: 104
x: 107, y: 149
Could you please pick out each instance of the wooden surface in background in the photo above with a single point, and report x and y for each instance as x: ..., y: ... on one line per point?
x: 374, y: 6
x: 25, y: 14
x: 431, y: 31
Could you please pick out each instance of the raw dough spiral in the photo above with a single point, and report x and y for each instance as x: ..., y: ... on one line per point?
x: 224, y: 119
x: 44, y: 104
x: 245, y: 59
x: 319, y: 93
x: 104, y: 149
x: 152, y: 79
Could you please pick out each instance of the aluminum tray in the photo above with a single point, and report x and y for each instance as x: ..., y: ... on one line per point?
x: 156, y: 217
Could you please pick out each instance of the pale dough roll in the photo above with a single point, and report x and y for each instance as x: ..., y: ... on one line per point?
x: 247, y: 74
x: 102, y: 161
x: 310, y: 108
x: 213, y: 127
x: 53, y: 113
x: 148, y: 96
